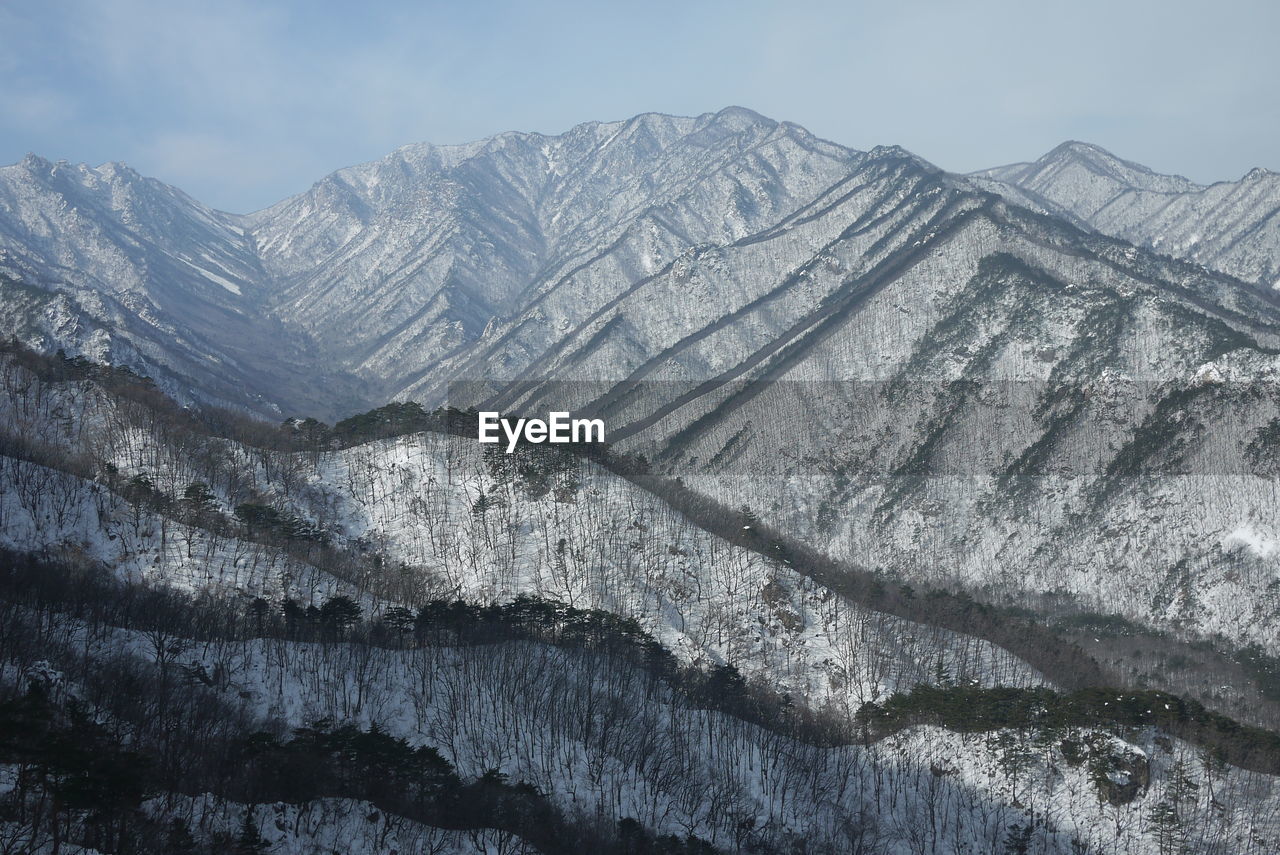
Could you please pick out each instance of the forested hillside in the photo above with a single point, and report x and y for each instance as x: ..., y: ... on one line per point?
x: 220, y: 634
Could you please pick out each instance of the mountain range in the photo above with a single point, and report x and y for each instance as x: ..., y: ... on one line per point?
x: 444, y: 263
x: 698, y: 283
x: 1229, y: 226
x: 872, y: 425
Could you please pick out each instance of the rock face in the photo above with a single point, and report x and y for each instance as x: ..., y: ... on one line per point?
x: 1121, y: 772
x: 1231, y: 226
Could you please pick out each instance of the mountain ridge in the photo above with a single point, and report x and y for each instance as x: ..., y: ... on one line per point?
x: 423, y: 311
x: 1229, y: 226
x: 361, y: 221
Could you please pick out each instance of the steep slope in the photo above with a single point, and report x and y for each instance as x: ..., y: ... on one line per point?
x: 599, y: 740
x: 1231, y: 226
x: 824, y: 335
x: 405, y: 513
x: 607, y: 324
x: 843, y: 371
x: 905, y: 370
x: 428, y: 517
x: 397, y: 264
x: 385, y: 269
x: 126, y: 269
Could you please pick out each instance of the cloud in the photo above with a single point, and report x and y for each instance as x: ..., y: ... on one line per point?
x: 264, y: 91
x: 37, y: 108
x: 243, y: 167
x: 281, y: 93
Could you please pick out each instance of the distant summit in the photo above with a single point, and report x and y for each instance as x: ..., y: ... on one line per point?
x: 1229, y: 226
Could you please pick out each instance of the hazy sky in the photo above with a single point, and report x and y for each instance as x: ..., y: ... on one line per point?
x: 243, y: 103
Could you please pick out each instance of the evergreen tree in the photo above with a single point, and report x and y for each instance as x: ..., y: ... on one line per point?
x: 179, y: 840
x: 399, y: 619
x: 1018, y: 840
x: 250, y: 841
x: 339, y: 613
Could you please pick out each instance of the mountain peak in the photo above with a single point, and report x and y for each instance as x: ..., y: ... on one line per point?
x: 118, y: 169
x: 1108, y: 166
x: 1228, y: 226
x: 743, y: 116
x: 898, y: 152
x: 1077, y: 148
x: 34, y: 161
x: 111, y: 172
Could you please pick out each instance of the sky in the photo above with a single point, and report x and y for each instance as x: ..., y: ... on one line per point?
x: 243, y: 103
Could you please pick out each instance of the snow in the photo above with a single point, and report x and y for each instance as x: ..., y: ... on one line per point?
x: 766, y: 255
x: 213, y: 277
x: 1229, y: 226
x: 601, y: 739
x: 1252, y: 539
x: 605, y: 544
x: 627, y: 553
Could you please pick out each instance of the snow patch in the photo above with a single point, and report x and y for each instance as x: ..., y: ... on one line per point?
x: 1253, y: 540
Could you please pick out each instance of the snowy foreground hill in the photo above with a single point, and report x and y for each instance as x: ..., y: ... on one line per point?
x: 160, y: 571
x: 939, y: 512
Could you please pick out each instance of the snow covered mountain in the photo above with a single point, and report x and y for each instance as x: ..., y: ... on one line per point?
x: 723, y: 287
x: 1013, y: 432
x: 399, y: 264
x: 839, y: 373
x: 125, y: 269
x: 381, y: 271
x: 1231, y: 226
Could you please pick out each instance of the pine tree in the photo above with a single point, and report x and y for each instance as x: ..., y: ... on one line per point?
x: 1163, y: 823
x: 1018, y: 840
x: 250, y: 841
x: 399, y: 619
x: 339, y: 613
x: 179, y: 840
